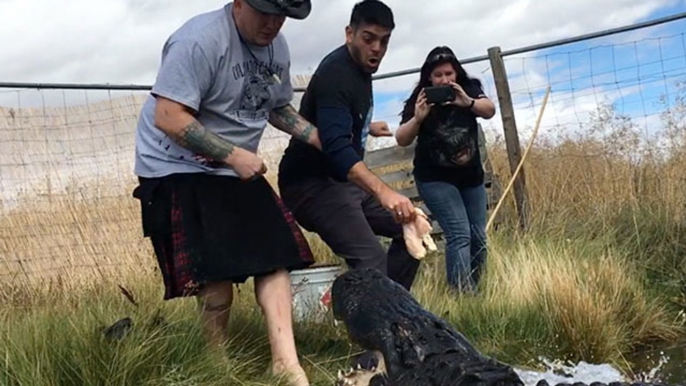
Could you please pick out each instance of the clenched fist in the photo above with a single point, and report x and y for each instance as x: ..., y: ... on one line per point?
x: 247, y: 165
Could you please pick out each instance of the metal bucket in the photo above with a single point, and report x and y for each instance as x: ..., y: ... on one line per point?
x: 311, y: 289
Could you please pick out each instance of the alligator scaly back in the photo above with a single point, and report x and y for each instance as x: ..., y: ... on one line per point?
x: 417, y: 348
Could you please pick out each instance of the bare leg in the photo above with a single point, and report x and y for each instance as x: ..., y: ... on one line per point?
x: 273, y: 294
x: 215, y: 305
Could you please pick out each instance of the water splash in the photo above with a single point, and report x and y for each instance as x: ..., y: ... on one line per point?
x: 652, y: 374
x: 558, y: 372
x: 655, y: 374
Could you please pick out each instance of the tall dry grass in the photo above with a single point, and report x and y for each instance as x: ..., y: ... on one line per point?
x: 615, y: 185
x: 600, y: 274
x: 560, y: 300
x: 591, y: 176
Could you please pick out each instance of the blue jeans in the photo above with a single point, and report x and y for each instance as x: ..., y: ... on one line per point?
x: 461, y: 213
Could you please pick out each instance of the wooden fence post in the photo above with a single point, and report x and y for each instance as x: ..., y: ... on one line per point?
x: 514, y: 152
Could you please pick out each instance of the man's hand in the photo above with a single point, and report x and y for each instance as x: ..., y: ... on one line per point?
x: 396, y: 203
x: 401, y: 206
x: 379, y: 129
x: 247, y: 165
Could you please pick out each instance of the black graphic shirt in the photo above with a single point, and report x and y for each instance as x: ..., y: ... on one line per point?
x: 447, y: 144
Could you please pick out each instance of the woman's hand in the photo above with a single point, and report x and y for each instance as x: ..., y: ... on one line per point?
x: 408, y: 131
x: 421, y: 108
x: 461, y: 97
x: 481, y: 107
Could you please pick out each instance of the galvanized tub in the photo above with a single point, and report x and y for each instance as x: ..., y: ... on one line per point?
x: 311, y: 289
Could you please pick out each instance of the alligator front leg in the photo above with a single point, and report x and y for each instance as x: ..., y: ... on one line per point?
x: 391, y: 356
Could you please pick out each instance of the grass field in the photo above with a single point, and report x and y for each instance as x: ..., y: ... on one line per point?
x: 599, y: 276
x: 570, y: 299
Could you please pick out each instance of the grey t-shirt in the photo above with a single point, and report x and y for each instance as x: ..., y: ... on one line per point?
x: 206, y: 67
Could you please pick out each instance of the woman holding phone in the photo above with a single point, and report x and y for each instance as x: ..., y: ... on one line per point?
x: 447, y: 164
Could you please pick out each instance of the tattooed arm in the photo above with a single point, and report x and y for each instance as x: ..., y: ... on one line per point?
x: 179, y: 124
x: 289, y: 121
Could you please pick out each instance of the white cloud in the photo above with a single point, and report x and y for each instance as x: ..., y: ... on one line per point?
x: 119, y: 41
x: 115, y: 41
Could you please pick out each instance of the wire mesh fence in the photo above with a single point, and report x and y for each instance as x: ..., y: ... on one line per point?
x: 66, y: 154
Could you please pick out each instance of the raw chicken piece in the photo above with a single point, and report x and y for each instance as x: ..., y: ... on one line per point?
x: 418, y: 235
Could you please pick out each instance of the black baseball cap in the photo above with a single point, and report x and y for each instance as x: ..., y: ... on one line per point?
x: 296, y: 9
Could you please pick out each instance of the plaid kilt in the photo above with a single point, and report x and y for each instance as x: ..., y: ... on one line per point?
x: 207, y: 228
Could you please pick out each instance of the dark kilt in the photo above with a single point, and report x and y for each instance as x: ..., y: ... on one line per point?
x: 207, y: 228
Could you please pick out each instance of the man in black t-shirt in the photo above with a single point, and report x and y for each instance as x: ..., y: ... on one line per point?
x: 332, y: 192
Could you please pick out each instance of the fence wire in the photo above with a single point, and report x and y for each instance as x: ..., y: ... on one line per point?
x: 66, y: 154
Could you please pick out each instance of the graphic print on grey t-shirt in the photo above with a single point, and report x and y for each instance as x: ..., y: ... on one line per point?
x: 255, y: 92
x: 257, y: 79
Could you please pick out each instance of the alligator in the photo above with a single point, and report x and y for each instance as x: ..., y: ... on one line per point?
x: 412, y: 345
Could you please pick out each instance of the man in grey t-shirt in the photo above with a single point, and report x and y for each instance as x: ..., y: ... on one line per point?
x: 211, y: 216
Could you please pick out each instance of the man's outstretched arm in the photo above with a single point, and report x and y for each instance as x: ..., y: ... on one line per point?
x: 335, y: 130
x: 401, y: 206
x: 289, y: 121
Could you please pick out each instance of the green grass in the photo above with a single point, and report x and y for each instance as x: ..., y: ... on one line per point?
x: 596, y: 299
x: 600, y: 276
x: 559, y: 299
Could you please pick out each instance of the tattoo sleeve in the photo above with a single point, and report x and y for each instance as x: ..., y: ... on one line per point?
x: 195, y: 137
x: 289, y: 121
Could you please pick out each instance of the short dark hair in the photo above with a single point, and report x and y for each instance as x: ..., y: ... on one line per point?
x: 372, y: 12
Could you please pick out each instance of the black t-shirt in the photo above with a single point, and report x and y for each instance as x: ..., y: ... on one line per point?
x: 448, y: 144
x: 338, y: 101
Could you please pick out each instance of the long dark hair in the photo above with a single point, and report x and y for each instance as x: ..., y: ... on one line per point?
x: 436, y: 57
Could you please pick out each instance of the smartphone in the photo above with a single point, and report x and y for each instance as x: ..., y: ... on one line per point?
x: 440, y: 94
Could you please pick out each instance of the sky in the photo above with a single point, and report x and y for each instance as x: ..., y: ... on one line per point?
x: 119, y: 42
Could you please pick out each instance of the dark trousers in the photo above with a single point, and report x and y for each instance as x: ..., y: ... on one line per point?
x: 349, y: 220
